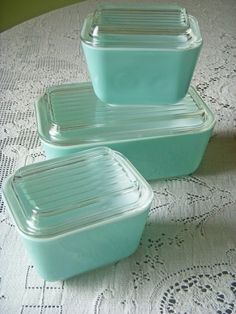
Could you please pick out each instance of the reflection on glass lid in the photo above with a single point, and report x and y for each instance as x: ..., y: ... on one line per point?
x: 63, y: 194
x: 73, y: 115
x: 139, y: 25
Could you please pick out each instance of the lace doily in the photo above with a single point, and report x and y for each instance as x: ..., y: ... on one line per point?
x: 187, y: 256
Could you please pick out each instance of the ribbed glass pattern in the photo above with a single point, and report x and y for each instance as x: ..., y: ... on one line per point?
x: 160, y: 20
x: 67, y: 193
x: 144, y: 25
x: 72, y: 114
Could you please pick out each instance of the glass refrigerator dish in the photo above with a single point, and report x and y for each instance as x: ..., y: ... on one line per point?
x: 78, y: 212
x: 160, y: 141
x: 141, y: 53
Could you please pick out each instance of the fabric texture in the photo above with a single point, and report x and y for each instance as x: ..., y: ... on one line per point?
x: 186, y: 261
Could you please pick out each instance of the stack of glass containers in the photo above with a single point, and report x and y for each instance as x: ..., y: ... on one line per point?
x: 89, y: 208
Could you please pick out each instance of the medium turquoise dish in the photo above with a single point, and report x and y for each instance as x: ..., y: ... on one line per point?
x: 79, y: 212
x: 141, y: 54
x: 160, y: 141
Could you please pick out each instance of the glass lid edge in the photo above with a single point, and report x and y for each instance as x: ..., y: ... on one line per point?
x: 25, y: 228
x: 142, y: 42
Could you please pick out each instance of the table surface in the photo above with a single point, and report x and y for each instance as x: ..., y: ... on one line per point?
x: 187, y: 256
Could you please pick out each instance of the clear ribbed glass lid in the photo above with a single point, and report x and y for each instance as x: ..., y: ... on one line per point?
x: 73, y: 115
x: 141, y: 25
x: 63, y: 194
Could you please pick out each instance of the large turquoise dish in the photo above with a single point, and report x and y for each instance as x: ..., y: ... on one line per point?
x: 141, y: 54
x: 79, y: 212
x: 160, y: 141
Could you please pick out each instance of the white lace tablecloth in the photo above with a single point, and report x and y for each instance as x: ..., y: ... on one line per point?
x: 186, y: 261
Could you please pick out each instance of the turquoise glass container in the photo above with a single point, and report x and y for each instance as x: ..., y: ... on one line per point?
x: 141, y: 53
x: 160, y: 141
x: 78, y: 212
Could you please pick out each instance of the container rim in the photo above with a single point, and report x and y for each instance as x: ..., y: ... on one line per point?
x: 138, y: 26
x: 17, y: 211
x: 43, y: 124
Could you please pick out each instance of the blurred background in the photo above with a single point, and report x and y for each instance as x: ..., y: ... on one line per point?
x: 13, y: 12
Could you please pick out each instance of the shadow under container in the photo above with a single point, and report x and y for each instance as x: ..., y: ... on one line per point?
x: 160, y: 141
x: 79, y: 212
x: 141, y: 53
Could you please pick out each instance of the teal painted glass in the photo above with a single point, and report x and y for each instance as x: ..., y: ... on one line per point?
x: 141, y: 54
x: 79, y: 212
x: 160, y: 141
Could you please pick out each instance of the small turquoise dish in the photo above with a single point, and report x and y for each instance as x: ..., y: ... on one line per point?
x: 160, y: 141
x: 79, y: 212
x: 141, y: 53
